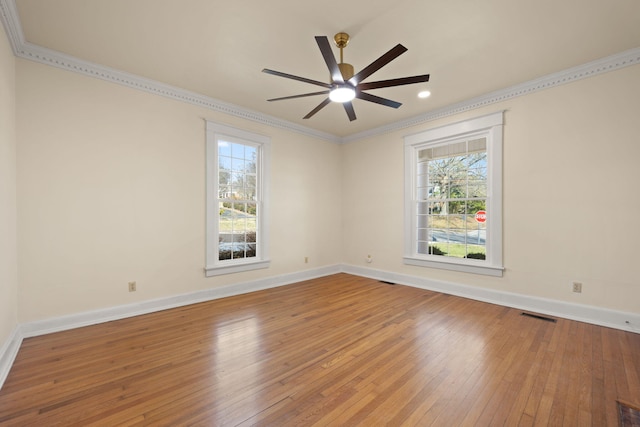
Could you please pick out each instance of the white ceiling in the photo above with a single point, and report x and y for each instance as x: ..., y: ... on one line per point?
x: 218, y: 48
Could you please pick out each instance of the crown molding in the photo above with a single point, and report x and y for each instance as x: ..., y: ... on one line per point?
x: 11, y: 24
x: 26, y: 50
x: 57, y: 59
x: 590, y: 69
x: 23, y: 49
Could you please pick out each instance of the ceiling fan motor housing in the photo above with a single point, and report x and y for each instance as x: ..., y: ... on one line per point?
x: 346, y: 70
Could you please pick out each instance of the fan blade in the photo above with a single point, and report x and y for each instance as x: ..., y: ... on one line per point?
x: 394, y: 82
x: 348, y: 107
x: 318, y: 108
x: 324, y: 92
x: 377, y: 99
x: 329, y: 59
x: 377, y: 64
x: 300, y: 79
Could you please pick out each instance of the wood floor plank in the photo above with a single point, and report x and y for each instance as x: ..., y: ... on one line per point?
x: 462, y: 362
x: 630, y: 369
x: 334, y: 351
x: 450, y: 403
x: 523, y: 385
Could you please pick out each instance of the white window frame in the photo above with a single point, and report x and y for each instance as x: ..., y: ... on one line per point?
x: 489, y: 126
x: 214, y: 266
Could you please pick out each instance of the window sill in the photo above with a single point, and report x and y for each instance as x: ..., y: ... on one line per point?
x: 456, y: 266
x: 236, y: 268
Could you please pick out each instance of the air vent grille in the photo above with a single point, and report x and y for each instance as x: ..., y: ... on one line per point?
x: 538, y: 316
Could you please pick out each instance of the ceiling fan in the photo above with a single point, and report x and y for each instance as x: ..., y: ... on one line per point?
x: 345, y: 85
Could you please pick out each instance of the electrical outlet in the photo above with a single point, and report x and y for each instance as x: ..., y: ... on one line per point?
x: 369, y: 259
x: 306, y: 260
x: 132, y: 286
x: 577, y: 287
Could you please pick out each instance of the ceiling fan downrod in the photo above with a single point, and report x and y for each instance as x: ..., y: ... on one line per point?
x: 342, y: 40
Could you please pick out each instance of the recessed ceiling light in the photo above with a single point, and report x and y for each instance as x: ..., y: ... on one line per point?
x: 424, y: 94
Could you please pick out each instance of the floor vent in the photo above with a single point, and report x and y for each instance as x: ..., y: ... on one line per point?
x: 387, y: 283
x: 537, y: 316
x: 629, y: 415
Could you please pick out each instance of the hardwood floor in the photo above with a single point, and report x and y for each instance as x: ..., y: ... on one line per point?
x: 340, y: 350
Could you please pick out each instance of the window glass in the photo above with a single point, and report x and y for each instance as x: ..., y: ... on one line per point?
x: 452, y: 178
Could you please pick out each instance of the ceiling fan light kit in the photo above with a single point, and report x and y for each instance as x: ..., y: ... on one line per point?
x: 347, y: 85
x: 342, y: 94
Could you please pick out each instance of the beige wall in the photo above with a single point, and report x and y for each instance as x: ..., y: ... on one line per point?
x: 111, y: 189
x: 571, y: 172
x: 8, y: 249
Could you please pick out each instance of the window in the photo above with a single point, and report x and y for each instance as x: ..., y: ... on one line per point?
x: 237, y: 164
x: 453, y: 197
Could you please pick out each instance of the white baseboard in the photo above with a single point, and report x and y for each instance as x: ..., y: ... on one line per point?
x: 9, y: 349
x: 8, y: 353
x: 582, y: 313
x: 47, y: 326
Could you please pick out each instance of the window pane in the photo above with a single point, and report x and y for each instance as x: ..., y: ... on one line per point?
x: 224, y: 176
x: 457, y: 223
x: 477, y: 189
x: 249, y: 192
x: 423, y: 221
x: 237, y: 180
x: 251, y: 156
x: 224, y: 191
x: 423, y: 208
x: 237, y: 151
x: 251, y: 250
x: 423, y: 234
x: 476, y: 205
x: 237, y: 165
x: 455, y: 184
x: 436, y: 208
x: 457, y: 207
x: 458, y: 188
x: 224, y: 162
x: 224, y: 148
